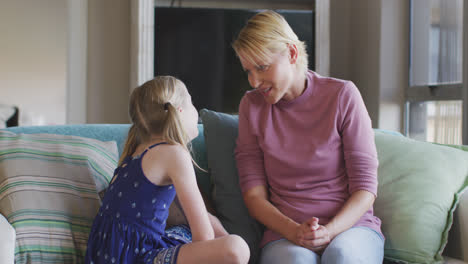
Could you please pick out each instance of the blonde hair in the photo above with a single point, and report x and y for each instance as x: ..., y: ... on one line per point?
x: 265, y: 34
x: 153, y: 110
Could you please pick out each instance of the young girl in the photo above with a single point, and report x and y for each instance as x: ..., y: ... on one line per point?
x: 155, y: 164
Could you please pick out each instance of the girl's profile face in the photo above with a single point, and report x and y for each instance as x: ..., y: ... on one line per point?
x: 189, y: 116
x: 273, y: 79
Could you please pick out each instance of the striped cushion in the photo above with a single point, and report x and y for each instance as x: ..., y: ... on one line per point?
x: 49, y: 188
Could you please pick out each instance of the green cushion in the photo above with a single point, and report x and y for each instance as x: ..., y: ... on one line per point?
x: 220, y: 138
x: 49, y: 192
x: 419, y: 186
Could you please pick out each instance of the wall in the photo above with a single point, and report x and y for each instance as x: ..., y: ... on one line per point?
x: 33, y: 59
x: 237, y: 4
x: 109, y: 46
x: 355, y: 46
x: 77, y: 55
x: 369, y: 45
x: 394, y: 60
x: 340, y: 39
x: 108, y: 61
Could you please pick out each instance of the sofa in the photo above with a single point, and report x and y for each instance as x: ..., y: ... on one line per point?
x: 417, y: 226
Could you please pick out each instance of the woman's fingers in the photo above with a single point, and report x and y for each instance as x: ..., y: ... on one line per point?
x: 313, y: 243
x: 313, y: 223
x: 317, y: 238
x: 320, y: 232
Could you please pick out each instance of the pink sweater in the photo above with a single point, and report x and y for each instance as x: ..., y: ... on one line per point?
x: 312, y: 152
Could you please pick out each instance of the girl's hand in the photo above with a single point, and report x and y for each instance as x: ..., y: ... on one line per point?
x: 217, y: 226
x: 313, y: 236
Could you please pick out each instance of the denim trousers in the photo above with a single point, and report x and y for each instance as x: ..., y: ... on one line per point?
x: 355, y: 245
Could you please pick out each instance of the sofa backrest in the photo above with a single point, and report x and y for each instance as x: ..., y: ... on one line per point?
x: 118, y: 133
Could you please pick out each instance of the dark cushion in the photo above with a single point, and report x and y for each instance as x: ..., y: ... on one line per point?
x: 220, y: 138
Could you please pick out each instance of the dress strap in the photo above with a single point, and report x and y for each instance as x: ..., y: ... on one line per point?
x: 146, y: 150
x: 154, y: 145
x: 150, y: 147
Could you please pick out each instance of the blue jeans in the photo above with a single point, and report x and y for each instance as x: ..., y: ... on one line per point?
x: 355, y: 245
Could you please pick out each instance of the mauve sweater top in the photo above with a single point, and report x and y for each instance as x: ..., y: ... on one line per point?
x: 311, y: 152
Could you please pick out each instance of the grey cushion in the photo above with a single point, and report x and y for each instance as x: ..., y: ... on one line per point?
x: 220, y: 137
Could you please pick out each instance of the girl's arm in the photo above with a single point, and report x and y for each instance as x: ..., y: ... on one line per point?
x: 215, y: 223
x: 181, y: 172
x: 177, y: 217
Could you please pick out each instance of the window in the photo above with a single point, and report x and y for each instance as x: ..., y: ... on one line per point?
x: 434, y: 108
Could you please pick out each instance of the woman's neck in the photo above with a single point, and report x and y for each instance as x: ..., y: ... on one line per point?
x: 298, y: 86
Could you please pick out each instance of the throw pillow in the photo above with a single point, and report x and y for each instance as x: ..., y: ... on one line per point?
x: 220, y: 137
x: 49, y: 188
x: 419, y: 188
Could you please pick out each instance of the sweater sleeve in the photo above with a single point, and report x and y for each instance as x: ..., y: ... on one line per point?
x: 249, y: 155
x: 358, y: 141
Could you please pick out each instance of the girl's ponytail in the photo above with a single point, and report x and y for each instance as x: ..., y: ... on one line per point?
x: 131, y: 144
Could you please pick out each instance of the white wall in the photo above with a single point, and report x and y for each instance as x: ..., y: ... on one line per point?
x: 108, y: 61
x: 355, y: 48
x: 41, y: 40
x: 237, y: 4
x: 35, y: 55
x: 109, y: 51
x: 340, y: 39
x: 369, y: 45
x: 394, y: 69
x: 77, y: 55
x: 33, y: 41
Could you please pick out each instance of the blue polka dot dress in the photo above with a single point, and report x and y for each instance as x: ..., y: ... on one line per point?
x: 130, y: 225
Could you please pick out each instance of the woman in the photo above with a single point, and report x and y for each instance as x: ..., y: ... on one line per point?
x: 305, y: 153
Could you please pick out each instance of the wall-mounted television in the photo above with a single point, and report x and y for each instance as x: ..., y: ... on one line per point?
x: 194, y: 45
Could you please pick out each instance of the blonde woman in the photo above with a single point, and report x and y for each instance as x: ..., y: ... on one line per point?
x: 305, y: 153
x: 155, y: 164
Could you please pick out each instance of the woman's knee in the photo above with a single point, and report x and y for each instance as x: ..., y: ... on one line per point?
x: 283, y: 251
x: 237, y: 250
x: 339, y: 254
x: 357, y: 245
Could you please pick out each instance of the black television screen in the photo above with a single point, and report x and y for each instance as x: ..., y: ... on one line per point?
x: 194, y: 45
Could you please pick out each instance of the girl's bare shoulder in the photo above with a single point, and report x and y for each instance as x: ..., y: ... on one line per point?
x: 172, y: 157
x: 166, y: 162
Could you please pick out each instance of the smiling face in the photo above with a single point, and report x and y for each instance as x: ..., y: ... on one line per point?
x: 274, y: 79
x: 273, y: 57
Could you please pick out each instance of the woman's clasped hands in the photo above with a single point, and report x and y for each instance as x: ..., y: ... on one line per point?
x: 311, y: 235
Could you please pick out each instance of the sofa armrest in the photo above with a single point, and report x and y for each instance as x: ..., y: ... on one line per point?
x: 457, y: 246
x: 7, y: 242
